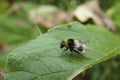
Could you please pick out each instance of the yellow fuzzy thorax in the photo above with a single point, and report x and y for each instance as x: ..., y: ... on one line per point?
x: 66, y: 43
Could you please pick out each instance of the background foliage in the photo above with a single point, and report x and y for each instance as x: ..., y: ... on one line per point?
x: 15, y: 30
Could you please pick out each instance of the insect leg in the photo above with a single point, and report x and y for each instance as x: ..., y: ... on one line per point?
x: 80, y: 54
x: 71, y: 50
x: 64, y: 51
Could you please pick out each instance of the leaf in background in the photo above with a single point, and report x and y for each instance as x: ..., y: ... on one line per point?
x: 114, y: 13
x: 13, y: 30
x: 3, y: 7
x: 40, y: 59
x: 48, y: 16
x: 2, y: 74
x: 92, y: 10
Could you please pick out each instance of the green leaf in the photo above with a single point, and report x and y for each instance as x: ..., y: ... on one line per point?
x: 40, y: 59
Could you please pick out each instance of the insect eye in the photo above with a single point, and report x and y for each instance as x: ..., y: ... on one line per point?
x: 62, y: 44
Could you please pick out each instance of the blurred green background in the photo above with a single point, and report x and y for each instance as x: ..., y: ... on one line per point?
x: 16, y: 28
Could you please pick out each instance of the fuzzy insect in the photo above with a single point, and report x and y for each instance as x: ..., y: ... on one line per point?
x: 73, y: 45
